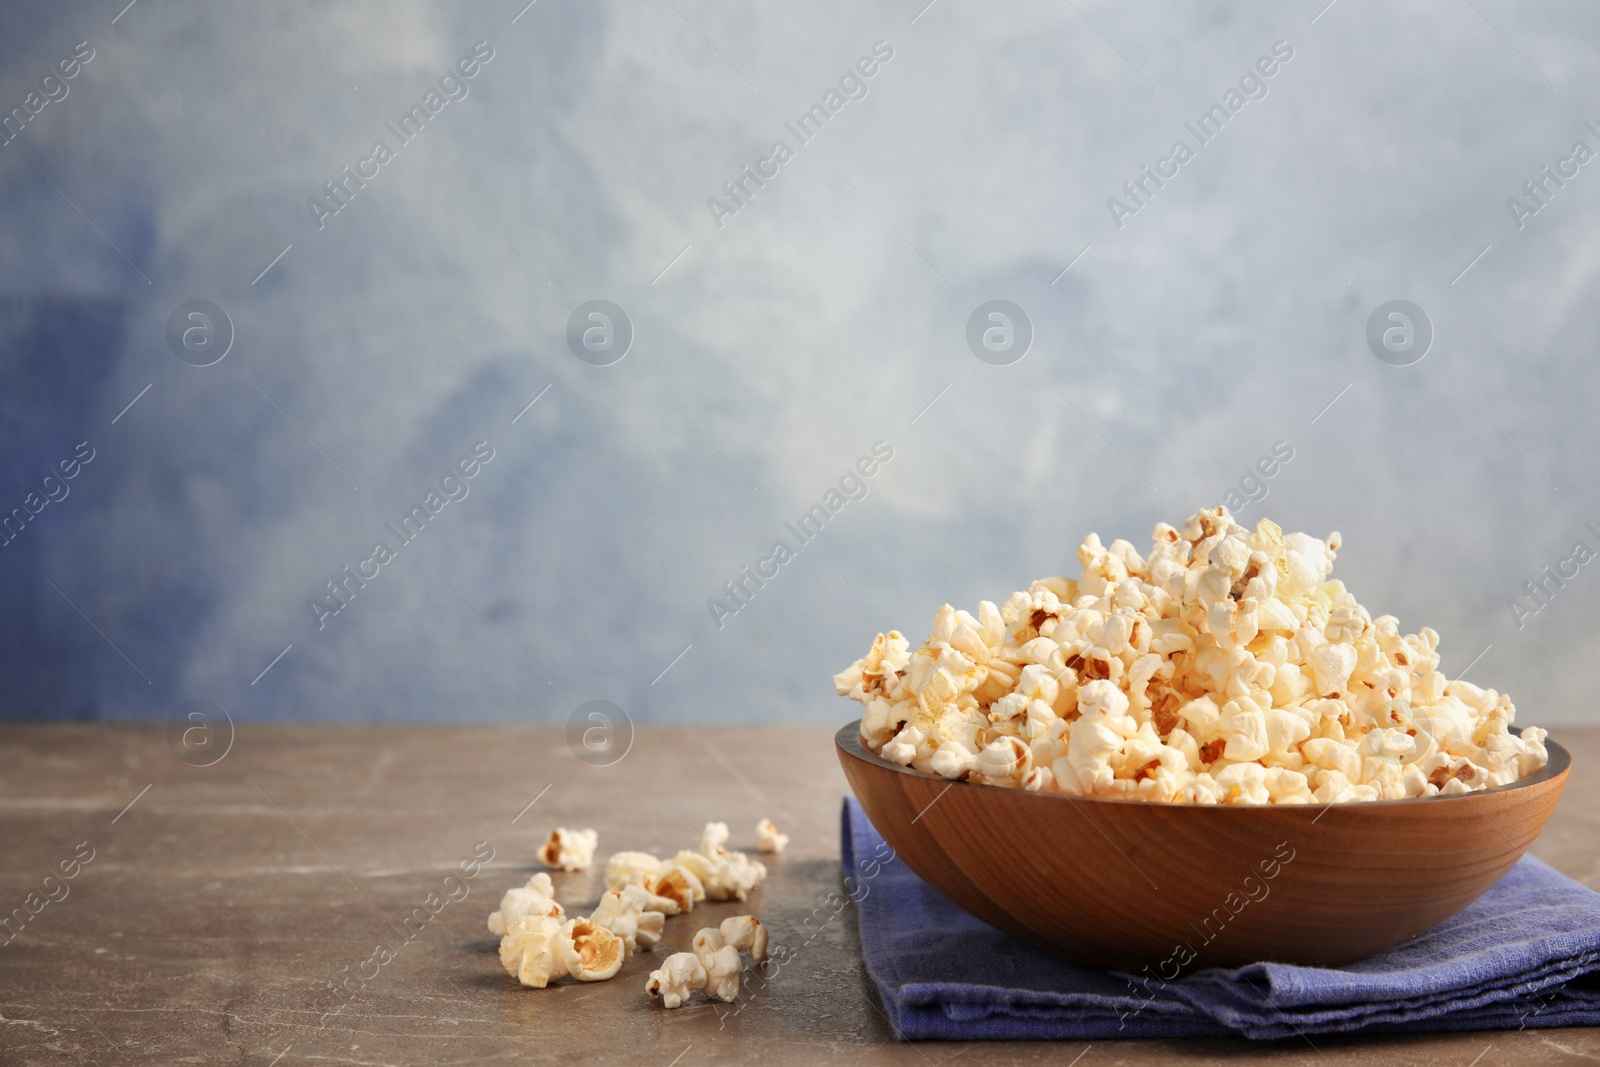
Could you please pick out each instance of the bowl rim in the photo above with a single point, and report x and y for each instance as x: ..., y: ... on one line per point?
x: 848, y: 740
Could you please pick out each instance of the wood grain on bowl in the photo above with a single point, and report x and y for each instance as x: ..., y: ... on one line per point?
x: 1128, y: 884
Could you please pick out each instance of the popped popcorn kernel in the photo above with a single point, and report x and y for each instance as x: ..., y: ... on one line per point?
x: 591, y: 952
x: 530, y: 951
x: 679, y: 975
x: 722, y: 873
x: 714, y: 966
x: 634, y: 914
x: 769, y: 839
x: 1226, y: 666
x: 746, y: 934
x: 679, y: 885
x: 537, y: 898
x: 631, y: 868
x: 569, y: 850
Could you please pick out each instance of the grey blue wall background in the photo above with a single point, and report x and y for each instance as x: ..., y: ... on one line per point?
x: 1173, y: 344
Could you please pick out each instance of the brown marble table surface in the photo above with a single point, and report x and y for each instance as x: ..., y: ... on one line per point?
x: 221, y: 902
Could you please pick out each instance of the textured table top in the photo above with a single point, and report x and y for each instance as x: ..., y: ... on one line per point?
x: 220, y: 904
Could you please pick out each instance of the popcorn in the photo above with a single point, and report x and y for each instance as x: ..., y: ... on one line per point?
x: 713, y: 966
x: 680, y: 885
x: 679, y: 975
x: 1005, y: 761
x: 1224, y: 667
x: 876, y: 672
x: 536, y: 898
x: 530, y: 951
x: 634, y: 914
x: 721, y: 963
x: 1244, y: 783
x: 736, y: 875
x: 631, y: 868
x: 703, y: 867
x: 723, y: 875
x: 591, y: 952
x: 713, y: 837
x: 769, y: 838
x: 1244, y: 729
x: 537, y: 947
x: 569, y: 850
x: 746, y: 934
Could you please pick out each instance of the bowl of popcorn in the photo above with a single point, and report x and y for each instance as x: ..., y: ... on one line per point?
x: 1211, y: 754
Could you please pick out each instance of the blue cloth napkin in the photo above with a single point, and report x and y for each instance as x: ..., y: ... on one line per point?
x: 1525, y: 954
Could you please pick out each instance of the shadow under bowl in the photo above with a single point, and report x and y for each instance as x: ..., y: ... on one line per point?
x: 1125, y: 884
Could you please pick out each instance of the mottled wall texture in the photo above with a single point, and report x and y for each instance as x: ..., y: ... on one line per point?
x: 441, y: 362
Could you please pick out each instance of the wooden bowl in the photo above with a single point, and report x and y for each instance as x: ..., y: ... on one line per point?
x: 1128, y: 884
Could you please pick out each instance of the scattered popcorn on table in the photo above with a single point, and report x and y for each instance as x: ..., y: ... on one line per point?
x: 714, y: 966
x: 537, y: 947
x: 725, y: 875
x: 1224, y: 667
x: 536, y: 898
x: 713, y: 872
x: 671, y: 880
x: 769, y: 838
x: 569, y: 850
